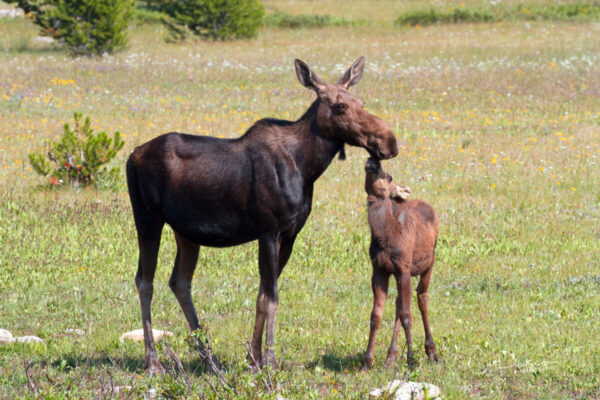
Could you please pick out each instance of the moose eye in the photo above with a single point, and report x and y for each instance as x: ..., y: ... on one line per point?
x: 338, y: 108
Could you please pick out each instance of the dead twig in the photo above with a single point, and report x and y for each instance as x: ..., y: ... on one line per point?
x: 32, y: 387
x: 398, y: 364
x: 207, y: 357
x: 175, y: 360
x: 268, y: 383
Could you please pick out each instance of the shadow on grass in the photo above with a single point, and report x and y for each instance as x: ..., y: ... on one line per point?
x: 72, y: 361
x: 334, y: 362
x: 135, y: 365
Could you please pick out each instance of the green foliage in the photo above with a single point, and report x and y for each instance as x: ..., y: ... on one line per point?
x: 284, y: 20
x: 521, y: 12
x: 86, y: 27
x: 212, y: 19
x: 79, y: 156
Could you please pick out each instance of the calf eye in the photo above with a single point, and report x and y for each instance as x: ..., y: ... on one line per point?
x: 339, y: 108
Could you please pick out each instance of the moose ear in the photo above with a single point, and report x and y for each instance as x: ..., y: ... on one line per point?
x: 307, y: 77
x: 354, y: 73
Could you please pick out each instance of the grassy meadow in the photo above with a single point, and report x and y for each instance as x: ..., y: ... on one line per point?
x: 500, y: 131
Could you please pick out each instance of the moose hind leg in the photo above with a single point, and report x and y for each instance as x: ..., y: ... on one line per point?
x: 181, y: 278
x: 423, y: 307
x: 149, y: 245
x: 255, y: 355
x: 268, y: 262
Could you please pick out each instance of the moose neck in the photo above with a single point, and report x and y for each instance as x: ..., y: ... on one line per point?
x: 316, y: 150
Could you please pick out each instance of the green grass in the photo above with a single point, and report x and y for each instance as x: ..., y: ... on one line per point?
x: 500, y: 126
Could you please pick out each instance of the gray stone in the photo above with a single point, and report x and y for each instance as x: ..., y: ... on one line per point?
x: 401, y: 390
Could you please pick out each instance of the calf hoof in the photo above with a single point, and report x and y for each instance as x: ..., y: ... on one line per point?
x: 431, y: 353
x: 392, y: 355
x: 412, y: 363
x: 367, y: 364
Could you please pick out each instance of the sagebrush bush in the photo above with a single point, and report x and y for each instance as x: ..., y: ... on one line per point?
x: 79, y: 157
x: 86, y: 27
x: 212, y: 19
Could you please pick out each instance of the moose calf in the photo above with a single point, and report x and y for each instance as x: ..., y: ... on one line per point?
x: 403, y: 238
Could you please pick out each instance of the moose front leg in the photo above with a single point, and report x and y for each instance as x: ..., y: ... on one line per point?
x: 267, y: 301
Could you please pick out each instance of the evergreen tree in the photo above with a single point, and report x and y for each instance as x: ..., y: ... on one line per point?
x: 88, y: 27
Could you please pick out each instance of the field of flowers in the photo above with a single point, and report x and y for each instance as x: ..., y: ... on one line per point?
x: 500, y: 131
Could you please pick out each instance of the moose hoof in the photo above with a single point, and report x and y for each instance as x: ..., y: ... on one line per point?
x: 434, y: 358
x: 154, y: 367
x: 367, y: 364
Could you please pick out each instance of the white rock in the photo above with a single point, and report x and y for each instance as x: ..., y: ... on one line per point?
x: 119, y: 389
x: 5, y: 336
x: 151, y: 395
x: 8, y: 13
x: 401, y: 390
x: 76, y: 332
x: 43, y: 39
x: 138, y: 335
x: 28, y: 339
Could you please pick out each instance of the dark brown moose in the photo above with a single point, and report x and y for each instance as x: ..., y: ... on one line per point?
x: 224, y: 192
x: 403, y: 239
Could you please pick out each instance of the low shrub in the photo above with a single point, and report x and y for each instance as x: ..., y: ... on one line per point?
x: 79, y: 157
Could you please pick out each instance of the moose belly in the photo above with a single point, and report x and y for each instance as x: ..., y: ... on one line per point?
x: 216, y: 230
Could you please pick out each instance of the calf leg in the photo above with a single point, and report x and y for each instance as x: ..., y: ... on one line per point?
x: 423, y: 307
x: 379, y: 285
x: 403, y: 318
x: 149, y: 243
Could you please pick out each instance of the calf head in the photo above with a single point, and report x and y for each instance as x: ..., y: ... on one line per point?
x: 341, y: 115
x: 379, y: 185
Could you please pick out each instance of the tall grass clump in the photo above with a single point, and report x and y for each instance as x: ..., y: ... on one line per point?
x: 212, y: 19
x: 86, y: 27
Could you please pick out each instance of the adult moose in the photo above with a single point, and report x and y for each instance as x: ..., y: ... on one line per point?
x: 224, y: 192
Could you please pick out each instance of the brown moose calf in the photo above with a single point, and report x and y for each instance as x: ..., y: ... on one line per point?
x: 403, y: 238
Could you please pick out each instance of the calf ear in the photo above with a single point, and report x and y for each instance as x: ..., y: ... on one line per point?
x: 307, y: 77
x: 400, y: 193
x: 354, y: 73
